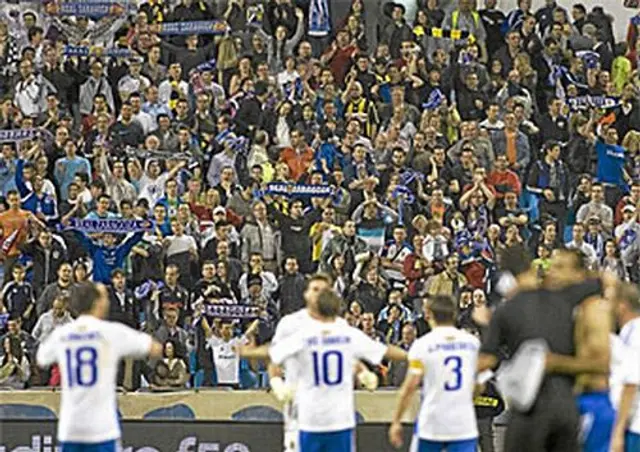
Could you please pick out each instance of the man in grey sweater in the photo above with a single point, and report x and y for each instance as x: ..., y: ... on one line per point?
x: 597, y: 208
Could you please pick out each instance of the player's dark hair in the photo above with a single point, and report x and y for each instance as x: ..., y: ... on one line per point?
x: 329, y: 304
x: 83, y: 297
x: 515, y: 260
x: 581, y: 263
x: 444, y: 309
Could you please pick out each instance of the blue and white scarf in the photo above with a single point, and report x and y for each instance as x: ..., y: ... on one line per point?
x: 293, y: 90
x: 114, y: 226
x: 319, y: 18
x: 94, y: 10
x: 198, y: 27
x: 434, y: 100
x: 589, y: 57
x: 408, y: 198
x: 298, y: 190
x: 84, y: 51
x: 15, y: 135
x: 231, y: 311
x: 586, y: 102
x: 144, y: 289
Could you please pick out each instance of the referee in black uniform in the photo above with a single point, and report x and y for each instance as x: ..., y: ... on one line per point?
x: 551, y: 425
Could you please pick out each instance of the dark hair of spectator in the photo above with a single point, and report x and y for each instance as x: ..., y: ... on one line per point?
x: 33, y: 31
x: 15, y: 349
x: 118, y: 272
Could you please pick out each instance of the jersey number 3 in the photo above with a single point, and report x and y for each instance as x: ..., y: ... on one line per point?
x: 82, y: 368
x: 327, y: 368
x: 453, y: 364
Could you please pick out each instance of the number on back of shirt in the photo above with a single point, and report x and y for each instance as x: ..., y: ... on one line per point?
x: 454, y: 377
x: 82, y: 366
x: 327, y: 368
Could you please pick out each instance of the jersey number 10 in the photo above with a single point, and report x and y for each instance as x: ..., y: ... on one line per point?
x: 82, y: 369
x: 327, y: 368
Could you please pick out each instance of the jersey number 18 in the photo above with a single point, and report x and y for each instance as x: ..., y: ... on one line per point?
x: 327, y: 368
x: 81, y: 366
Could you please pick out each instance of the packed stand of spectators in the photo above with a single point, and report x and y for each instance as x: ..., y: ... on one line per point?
x: 396, y: 148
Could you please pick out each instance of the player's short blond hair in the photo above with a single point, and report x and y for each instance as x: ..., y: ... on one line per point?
x: 628, y: 293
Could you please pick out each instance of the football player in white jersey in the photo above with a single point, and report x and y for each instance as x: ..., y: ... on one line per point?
x: 444, y: 361
x: 626, y: 381
x: 324, y: 353
x: 284, y: 390
x: 88, y: 351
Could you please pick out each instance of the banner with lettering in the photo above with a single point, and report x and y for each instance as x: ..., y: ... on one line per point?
x: 198, y: 27
x: 84, y: 51
x: 15, y: 135
x: 95, y: 10
x: 114, y: 226
x: 586, y: 102
x: 231, y: 311
x: 298, y: 190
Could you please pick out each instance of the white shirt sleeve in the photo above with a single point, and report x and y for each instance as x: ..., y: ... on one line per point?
x: 416, y: 361
x: 129, y: 342
x: 632, y: 368
x: 366, y: 348
x: 286, y: 348
x: 283, y: 330
x: 46, y: 355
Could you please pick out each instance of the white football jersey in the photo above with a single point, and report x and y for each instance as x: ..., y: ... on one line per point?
x: 88, y: 351
x: 625, y: 368
x: 287, y: 327
x: 630, y: 335
x: 324, y: 355
x: 447, y: 358
x: 226, y: 359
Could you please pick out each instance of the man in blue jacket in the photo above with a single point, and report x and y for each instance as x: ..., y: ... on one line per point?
x: 107, y: 256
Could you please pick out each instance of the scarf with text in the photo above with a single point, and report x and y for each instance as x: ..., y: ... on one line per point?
x: 114, y: 226
x: 198, y: 27
x: 84, y: 51
x: 15, y: 135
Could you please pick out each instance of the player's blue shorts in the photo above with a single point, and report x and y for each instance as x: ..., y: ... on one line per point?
x: 631, y: 442
x: 107, y: 446
x: 597, y: 418
x: 469, y: 445
x: 340, y: 441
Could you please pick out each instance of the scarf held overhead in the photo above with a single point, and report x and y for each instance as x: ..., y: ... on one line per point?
x: 84, y: 51
x: 114, y: 226
x: 300, y: 190
x: 94, y: 10
x: 14, y: 135
x: 231, y: 311
x: 198, y: 27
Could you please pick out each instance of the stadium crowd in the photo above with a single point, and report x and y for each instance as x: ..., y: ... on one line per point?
x: 396, y: 147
